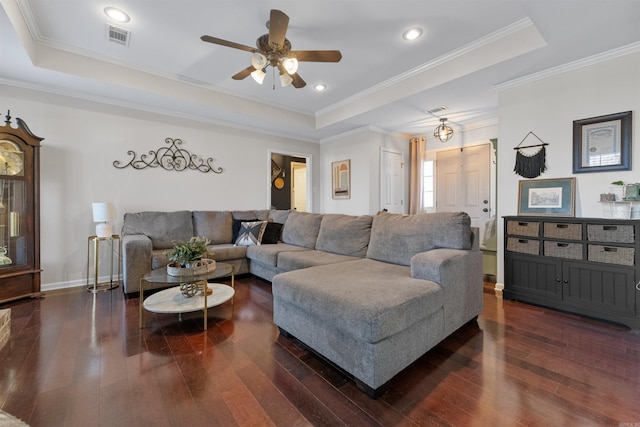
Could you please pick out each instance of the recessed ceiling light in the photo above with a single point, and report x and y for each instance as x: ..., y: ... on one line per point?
x: 116, y: 14
x: 319, y: 87
x: 412, y: 33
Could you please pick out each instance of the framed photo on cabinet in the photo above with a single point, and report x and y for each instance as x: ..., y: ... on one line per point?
x: 547, y: 197
x: 602, y: 143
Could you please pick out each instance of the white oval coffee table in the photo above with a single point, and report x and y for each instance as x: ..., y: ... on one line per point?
x: 173, y: 301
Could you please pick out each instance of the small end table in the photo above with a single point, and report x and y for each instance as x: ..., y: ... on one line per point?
x: 111, y: 284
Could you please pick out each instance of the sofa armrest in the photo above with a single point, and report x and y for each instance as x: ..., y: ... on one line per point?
x: 136, y: 261
x: 459, y: 272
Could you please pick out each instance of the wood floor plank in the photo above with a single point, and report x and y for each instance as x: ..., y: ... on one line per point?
x: 79, y: 359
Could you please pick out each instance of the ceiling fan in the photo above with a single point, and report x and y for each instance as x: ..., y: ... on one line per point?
x: 274, y: 50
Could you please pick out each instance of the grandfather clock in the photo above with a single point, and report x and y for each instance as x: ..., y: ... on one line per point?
x: 19, y: 211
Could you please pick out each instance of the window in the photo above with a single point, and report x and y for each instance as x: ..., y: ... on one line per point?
x: 427, y: 184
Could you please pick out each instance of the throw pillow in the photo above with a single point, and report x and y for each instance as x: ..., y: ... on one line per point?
x: 272, y: 233
x: 251, y: 233
x: 235, y: 227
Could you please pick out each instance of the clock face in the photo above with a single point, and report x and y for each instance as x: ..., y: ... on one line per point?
x: 11, y: 158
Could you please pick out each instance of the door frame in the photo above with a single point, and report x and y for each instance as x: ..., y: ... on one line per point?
x: 384, y: 150
x: 308, y: 159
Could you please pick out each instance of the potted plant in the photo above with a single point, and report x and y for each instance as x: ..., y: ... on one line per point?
x: 188, y: 257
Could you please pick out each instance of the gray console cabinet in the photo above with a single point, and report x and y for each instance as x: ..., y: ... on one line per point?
x: 587, y: 266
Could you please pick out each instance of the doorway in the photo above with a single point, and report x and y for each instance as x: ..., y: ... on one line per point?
x: 391, y: 181
x: 289, y: 181
x: 463, y: 183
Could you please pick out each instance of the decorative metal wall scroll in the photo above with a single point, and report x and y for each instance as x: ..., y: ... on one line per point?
x: 170, y: 158
x: 531, y: 165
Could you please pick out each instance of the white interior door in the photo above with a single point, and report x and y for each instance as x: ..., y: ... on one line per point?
x: 392, y: 181
x: 463, y: 182
x: 299, y: 186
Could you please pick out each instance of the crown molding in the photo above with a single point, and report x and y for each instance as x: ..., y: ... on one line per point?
x: 570, y: 66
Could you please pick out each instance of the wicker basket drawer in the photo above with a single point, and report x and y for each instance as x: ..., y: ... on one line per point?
x: 611, y: 233
x: 612, y: 254
x: 523, y: 246
x: 523, y: 228
x: 563, y: 250
x: 560, y: 230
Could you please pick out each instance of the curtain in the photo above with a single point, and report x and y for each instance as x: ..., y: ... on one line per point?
x: 416, y: 159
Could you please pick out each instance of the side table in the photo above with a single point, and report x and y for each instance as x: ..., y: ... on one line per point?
x: 95, y: 242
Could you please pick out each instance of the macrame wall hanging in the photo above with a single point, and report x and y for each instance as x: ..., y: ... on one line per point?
x: 530, y: 165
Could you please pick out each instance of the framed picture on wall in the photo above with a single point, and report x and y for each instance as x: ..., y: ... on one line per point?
x: 547, y: 197
x: 341, y: 179
x: 602, y: 143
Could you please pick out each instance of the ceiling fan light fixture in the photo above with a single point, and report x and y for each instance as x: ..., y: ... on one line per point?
x: 285, y: 79
x: 258, y: 60
x: 290, y: 65
x: 258, y: 75
x: 443, y: 132
x: 116, y: 14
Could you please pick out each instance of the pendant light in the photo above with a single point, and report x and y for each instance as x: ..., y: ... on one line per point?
x: 443, y: 132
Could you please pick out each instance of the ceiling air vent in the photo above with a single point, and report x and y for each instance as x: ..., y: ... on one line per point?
x: 118, y: 35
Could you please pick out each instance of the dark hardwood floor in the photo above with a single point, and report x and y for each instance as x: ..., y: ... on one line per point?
x: 78, y: 359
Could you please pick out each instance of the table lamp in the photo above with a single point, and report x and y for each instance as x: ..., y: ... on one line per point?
x: 102, y: 214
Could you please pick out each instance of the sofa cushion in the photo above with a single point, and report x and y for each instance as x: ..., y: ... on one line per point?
x: 289, y: 261
x: 302, y: 229
x: 344, y: 296
x: 272, y: 233
x: 396, y: 238
x: 268, y: 254
x: 251, y: 233
x: 279, y: 215
x: 259, y: 214
x: 214, y: 225
x: 223, y: 252
x: 236, y: 224
x: 162, y: 228
x: 344, y: 234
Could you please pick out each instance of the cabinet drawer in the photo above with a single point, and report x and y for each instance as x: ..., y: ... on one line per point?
x: 523, y: 246
x: 612, y: 254
x: 523, y: 228
x: 563, y: 250
x: 560, y: 230
x: 611, y: 233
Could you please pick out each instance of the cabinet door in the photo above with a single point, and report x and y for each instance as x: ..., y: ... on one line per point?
x: 598, y: 288
x: 531, y: 276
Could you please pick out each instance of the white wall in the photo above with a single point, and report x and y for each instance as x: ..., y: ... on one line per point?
x: 363, y: 149
x: 82, y: 139
x: 548, y: 107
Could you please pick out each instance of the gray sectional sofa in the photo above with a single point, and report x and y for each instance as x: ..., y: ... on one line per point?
x: 369, y: 293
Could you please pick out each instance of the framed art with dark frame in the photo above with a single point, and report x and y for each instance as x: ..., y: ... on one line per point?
x: 547, y: 197
x: 602, y: 143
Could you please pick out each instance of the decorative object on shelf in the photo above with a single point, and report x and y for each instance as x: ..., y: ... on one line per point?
x: 195, y: 268
x: 602, y: 143
x: 341, y: 179
x: 547, y: 197
x: 607, y: 197
x: 531, y: 165
x: 443, y: 132
x: 170, y: 158
x: 189, y: 289
x: 185, y: 253
x: 103, y: 213
x: 632, y: 192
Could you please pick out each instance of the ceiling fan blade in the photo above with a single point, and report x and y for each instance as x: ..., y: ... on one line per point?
x: 244, y: 73
x: 297, y: 81
x: 318, y: 55
x: 278, y: 23
x: 227, y: 43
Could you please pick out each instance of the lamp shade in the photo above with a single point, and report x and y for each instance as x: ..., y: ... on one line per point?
x: 103, y: 212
